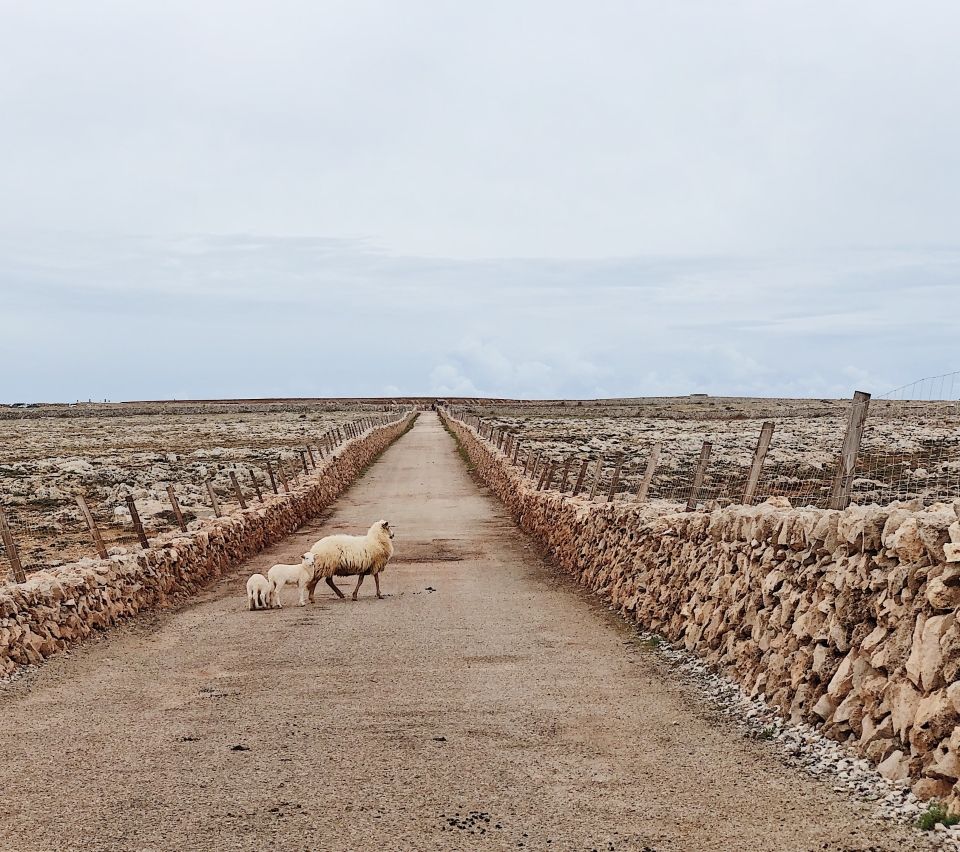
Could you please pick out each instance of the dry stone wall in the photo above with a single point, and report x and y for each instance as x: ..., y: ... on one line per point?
x: 61, y: 606
x: 846, y: 619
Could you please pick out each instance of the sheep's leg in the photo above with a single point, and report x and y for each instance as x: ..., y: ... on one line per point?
x: 250, y: 601
x: 333, y: 586
x: 312, y: 586
x: 357, y: 589
x: 376, y: 579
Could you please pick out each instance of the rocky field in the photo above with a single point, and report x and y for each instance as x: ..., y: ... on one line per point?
x: 50, y: 453
x: 910, y: 449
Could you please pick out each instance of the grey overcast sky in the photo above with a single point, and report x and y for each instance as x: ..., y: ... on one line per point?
x: 533, y: 198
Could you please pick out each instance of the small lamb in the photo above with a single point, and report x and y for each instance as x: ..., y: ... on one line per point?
x: 280, y: 575
x: 258, y: 592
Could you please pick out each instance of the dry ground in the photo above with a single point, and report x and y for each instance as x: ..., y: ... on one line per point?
x: 484, y: 704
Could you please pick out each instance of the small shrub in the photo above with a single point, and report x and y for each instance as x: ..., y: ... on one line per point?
x: 936, y: 812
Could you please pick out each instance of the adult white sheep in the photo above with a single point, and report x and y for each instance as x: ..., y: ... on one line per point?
x: 351, y: 555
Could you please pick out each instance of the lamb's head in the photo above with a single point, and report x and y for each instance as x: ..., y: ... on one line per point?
x: 308, y: 558
x: 382, y: 528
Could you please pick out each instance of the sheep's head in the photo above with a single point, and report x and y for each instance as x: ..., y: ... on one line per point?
x: 385, y: 527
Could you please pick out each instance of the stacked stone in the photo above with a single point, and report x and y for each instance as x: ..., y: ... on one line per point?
x: 61, y: 606
x: 846, y: 619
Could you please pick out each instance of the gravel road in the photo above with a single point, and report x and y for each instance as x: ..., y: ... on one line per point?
x: 485, y: 703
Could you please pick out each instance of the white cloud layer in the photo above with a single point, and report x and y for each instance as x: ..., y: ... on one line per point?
x: 538, y: 199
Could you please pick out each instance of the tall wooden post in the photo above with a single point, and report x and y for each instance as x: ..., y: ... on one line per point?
x: 516, y: 451
x: 236, y: 490
x: 175, y: 505
x: 137, y: 525
x: 847, y: 464
x: 283, y: 476
x: 273, y: 479
x: 583, y: 472
x: 313, y: 461
x: 759, y: 454
x: 303, y: 460
x: 550, y: 470
x: 543, y: 475
x: 644, y: 488
x: 596, y: 479
x: 614, y: 480
x: 565, y: 474
x: 213, y: 498
x: 16, y: 568
x: 92, y: 526
x: 699, y: 475
x: 256, y: 486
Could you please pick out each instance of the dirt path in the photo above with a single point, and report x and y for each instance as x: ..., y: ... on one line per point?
x: 501, y: 711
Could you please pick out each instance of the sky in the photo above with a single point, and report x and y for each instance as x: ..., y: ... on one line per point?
x: 535, y: 199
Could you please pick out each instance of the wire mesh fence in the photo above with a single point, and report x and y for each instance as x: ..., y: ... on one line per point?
x: 902, y: 446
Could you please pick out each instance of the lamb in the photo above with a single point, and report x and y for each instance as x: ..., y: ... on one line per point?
x: 349, y: 555
x: 258, y: 592
x: 280, y: 575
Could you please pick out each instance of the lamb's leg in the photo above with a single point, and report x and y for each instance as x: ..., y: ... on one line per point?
x: 333, y: 586
x: 376, y: 579
x: 276, y: 595
x: 302, y: 585
x: 357, y: 589
x: 250, y: 601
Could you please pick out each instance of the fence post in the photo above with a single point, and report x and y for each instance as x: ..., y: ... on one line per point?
x: 759, y: 454
x: 698, y: 475
x: 313, y: 461
x: 11, y: 547
x: 273, y: 479
x: 516, y: 451
x: 283, y: 476
x: 648, y: 473
x: 843, y: 481
x: 213, y: 499
x: 583, y: 472
x: 614, y: 480
x: 566, y: 473
x: 256, y: 486
x: 92, y: 526
x: 303, y: 460
x: 175, y: 504
x: 137, y: 525
x: 549, y: 470
x: 236, y: 490
x: 596, y: 479
x: 543, y: 475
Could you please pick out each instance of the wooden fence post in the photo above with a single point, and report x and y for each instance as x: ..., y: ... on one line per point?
x: 213, y: 499
x: 759, y: 454
x: 596, y: 479
x: 256, y: 486
x: 16, y: 568
x: 699, y: 475
x: 283, y: 476
x: 273, y: 479
x: 516, y: 452
x: 543, y: 475
x: 846, y: 466
x: 648, y: 473
x: 614, y: 480
x: 92, y: 526
x: 137, y: 525
x: 175, y: 504
x: 313, y: 461
x: 303, y: 459
x: 236, y: 490
x: 583, y: 472
x: 548, y: 471
x: 565, y: 474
